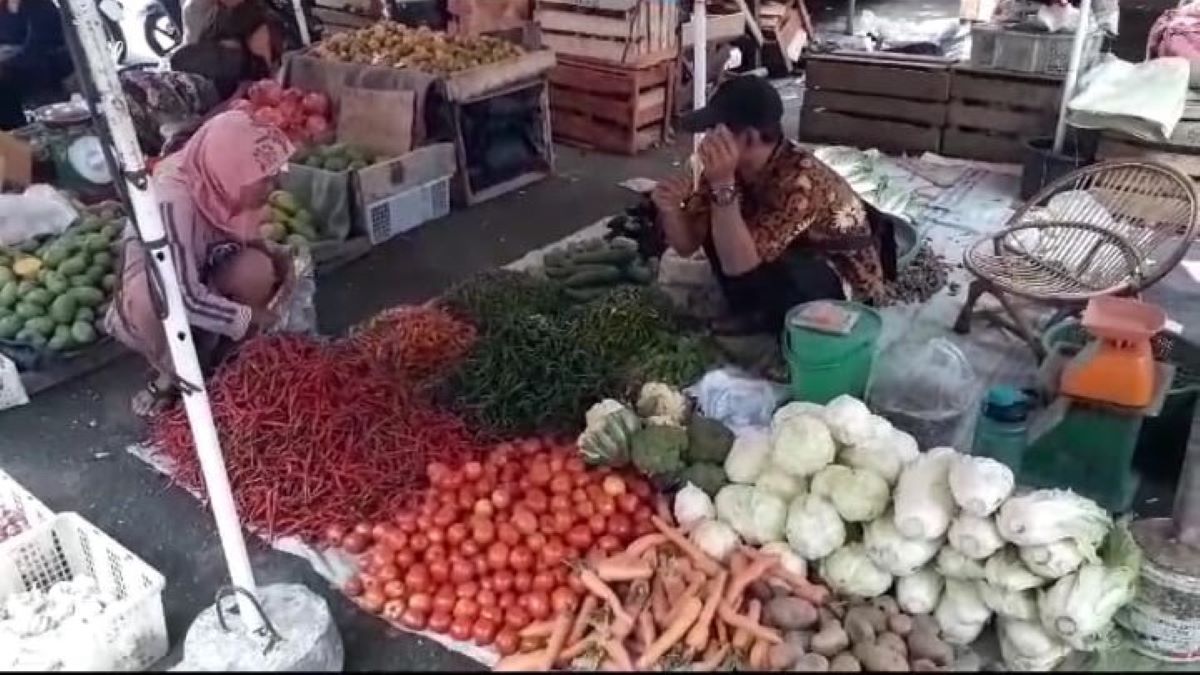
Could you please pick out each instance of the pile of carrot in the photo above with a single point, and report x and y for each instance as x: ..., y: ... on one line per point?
x: 662, y: 604
x: 417, y: 341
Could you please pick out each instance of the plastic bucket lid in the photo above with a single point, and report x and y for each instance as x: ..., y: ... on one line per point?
x: 802, y: 344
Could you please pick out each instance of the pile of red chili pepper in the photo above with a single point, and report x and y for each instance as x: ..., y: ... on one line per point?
x: 418, y: 341
x: 314, y: 433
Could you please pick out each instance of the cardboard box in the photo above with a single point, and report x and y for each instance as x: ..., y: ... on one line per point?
x: 16, y: 162
x: 382, y: 200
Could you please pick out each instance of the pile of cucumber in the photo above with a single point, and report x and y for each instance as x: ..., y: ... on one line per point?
x: 589, y: 269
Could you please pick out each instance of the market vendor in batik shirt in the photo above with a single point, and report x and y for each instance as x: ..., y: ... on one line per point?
x: 779, y: 227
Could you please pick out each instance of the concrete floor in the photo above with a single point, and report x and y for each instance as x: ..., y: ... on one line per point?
x: 67, y: 446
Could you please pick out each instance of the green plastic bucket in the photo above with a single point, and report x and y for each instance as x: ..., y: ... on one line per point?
x: 823, y: 366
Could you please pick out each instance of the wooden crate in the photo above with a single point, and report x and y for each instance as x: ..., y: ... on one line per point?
x: 992, y: 112
x: 628, y: 32
x: 609, y: 107
x: 891, y: 102
x: 470, y: 185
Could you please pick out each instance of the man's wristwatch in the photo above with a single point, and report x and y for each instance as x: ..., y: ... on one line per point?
x: 724, y: 195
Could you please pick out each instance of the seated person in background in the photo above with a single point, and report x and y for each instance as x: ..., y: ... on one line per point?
x: 779, y: 227
x: 164, y: 103
x: 33, y: 56
x: 212, y: 194
x: 248, y: 25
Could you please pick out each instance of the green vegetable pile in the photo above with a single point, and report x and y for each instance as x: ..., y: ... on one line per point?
x: 589, y: 269
x: 664, y: 439
x: 52, y: 289
x: 540, y: 360
x: 336, y: 157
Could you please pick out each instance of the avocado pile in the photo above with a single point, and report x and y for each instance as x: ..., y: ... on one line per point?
x: 53, y: 290
x: 336, y: 157
x: 588, y: 269
x: 288, y: 222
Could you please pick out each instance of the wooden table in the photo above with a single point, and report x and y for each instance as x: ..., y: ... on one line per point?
x: 1181, y: 151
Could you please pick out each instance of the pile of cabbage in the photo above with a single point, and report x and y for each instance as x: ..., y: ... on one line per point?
x: 842, y: 489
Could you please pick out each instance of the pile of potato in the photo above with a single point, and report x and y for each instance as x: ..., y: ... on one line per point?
x: 392, y: 44
x: 872, y: 636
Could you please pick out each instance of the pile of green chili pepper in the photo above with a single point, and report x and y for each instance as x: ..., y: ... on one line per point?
x: 539, y: 362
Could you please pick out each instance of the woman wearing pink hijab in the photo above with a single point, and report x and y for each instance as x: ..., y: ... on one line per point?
x: 212, y: 194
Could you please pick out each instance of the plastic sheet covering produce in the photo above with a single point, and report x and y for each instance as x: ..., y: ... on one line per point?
x: 1145, y: 99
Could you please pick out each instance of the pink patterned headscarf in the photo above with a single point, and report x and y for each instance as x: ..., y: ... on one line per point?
x: 230, y: 152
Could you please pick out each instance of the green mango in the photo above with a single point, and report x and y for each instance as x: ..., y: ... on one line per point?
x: 83, y: 332
x: 272, y: 232
x: 63, y: 308
x: 304, y: 231
x: 6, y: 275
x: 303, y: 216
x: 97, y: 242
x: 78, y: 280
x: 109, y: 282
x: 38, y: 296
x: 10, y: 326
x: 94, y: 274
x: 31, y: 338
x: 41, y: 324
x: 24, y: 287
x: 111, y: 230
x: 279, y: 216
x: 90, y: 223
x: 56, y: 255
x: 103, y: 258
x: 86, y: 314
x: 284, y: 201
x: 87, y: 296
x: 27, y: 310
x: 8, y: 294
x: 336, y: 164
x: 56, y: 283
x: 73, y: 265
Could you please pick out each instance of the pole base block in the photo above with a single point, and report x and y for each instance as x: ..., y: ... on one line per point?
x: 308, y: 638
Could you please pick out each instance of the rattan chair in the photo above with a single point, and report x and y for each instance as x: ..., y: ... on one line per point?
x: 1113, y: 228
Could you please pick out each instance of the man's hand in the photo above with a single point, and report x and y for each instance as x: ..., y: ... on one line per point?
x: 670, y: 194
x: 719, y: 152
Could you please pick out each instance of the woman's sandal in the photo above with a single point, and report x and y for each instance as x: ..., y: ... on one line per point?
x: 153, y: 399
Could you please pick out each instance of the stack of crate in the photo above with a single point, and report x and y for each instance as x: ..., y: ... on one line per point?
x: 614, y: 84
x: 896, y: 103
x: 992, y: 113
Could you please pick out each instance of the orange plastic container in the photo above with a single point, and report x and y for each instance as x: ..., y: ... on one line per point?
x: 1118, y: 367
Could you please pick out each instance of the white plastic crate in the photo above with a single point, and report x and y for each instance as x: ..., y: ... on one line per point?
x: 130, y: 634
x: 15, y: 499
x: 400, y: 213
x: 1028, y: 51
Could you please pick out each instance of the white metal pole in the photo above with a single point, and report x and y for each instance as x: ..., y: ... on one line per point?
x: 699, y: 61
x: 302, y: 22
x: 111, y: 104
x: 1073, y: 68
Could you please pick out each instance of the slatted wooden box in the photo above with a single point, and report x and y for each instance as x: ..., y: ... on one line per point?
x: 993, y: 112
x: 896, y: 103
x: 628, y: 32
x: 610, y: 107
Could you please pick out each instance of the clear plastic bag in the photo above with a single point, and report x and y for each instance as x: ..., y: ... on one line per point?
x: 298, y: 310
x: 38, y: 211
x: 925, y: 387
x: 736, y: 399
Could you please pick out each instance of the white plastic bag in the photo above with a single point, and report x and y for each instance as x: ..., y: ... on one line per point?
x: 12, y: 391
x: 736, y: 399
x: 39, y: 210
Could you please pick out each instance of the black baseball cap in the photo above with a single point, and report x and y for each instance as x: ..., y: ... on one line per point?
x: 744, y: 102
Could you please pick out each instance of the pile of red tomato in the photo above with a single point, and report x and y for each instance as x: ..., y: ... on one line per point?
x: 305, y: 116
x: 488, y: 551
